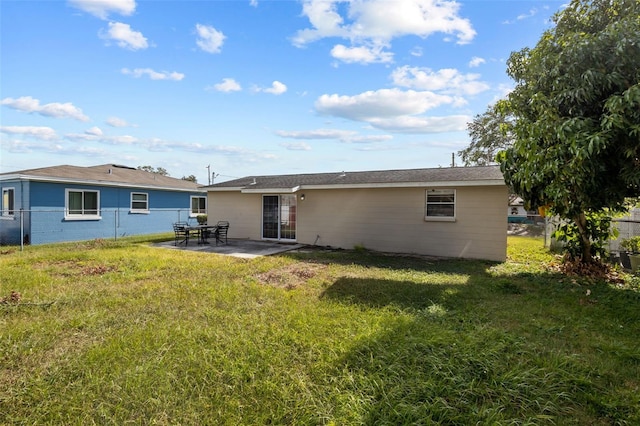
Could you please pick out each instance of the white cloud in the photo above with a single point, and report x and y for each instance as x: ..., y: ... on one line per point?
x: 394, y: 110
x: 227, y: 85
x: 122, y: 140
x: 347, y: 136
x: 124, y: 36
x: 416, y: 51
x: 380, y: 103
x: 502, y: 91
x: 237, y: 153
x: 153, y: 75
x: 316, y: 134
x: 94, y: 131
x: 38, y: 132
x: 361, y: 54
x: 117, y: 122
x: 532, y: 12
x: 410, y: 124
x: 324, y: 18
x: 55, y: 109
x: 368, y: 138
x: 18, y: 146
x: 102, y: 8
x: 276, y: 88
x: 102, y: 138
x: 23, y: 147
x: 296, y: 146
x: 209, y: 39
x: 446, y: 80
x: 253, y: 3
x: 476, y: 62
x: 377, y: 22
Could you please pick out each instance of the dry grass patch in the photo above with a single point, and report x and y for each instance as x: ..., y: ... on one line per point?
x: 290, y: 276
x: 73, y: 268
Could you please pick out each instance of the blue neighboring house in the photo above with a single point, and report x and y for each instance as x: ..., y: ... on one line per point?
x: 71, y: 203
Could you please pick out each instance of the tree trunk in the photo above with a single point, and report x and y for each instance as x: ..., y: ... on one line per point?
x: 581, y: 222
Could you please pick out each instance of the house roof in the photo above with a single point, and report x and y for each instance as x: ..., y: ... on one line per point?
x: 449, y: 176
x: 105, y: 175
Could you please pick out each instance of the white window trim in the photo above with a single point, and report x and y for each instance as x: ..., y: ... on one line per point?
x: 191, y: 213
x: 5, y: 210
x: 139, y: 211
x: 68, y: 216
x: 441, y: 218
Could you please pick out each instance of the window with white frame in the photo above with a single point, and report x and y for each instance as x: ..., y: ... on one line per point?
x: 8, y: 202
x: 82, y: 204
x: 140, y: 202
x: 198, y: 205
x: 441, y: 204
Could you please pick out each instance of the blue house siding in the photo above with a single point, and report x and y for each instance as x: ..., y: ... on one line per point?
x: 45, y: 220
x: 10, y: 225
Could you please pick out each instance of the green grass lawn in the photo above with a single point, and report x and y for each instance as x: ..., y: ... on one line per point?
x: 123, y: 332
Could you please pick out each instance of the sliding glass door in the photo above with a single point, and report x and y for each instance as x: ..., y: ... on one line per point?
x: 279, y: 217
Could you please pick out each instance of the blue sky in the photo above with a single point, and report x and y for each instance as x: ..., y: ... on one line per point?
x: 253, y: 87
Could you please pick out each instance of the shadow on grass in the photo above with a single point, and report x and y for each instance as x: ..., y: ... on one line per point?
x: 495, y: 350
x: 378, y: 293
x: 391, y: 261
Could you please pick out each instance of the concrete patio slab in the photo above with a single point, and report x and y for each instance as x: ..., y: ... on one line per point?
x: 247, y: 249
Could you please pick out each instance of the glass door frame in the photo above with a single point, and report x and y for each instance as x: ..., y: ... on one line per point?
x: 282, y: 227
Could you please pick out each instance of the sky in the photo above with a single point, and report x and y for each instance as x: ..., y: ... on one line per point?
x: 225, y: 89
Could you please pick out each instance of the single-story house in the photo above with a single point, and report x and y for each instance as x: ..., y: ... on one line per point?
x: 517, y: 213
x: 451, y: 212
x: 71, y: 203
x: 516, y: 210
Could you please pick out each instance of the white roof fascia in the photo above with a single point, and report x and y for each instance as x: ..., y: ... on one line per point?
x: 225, y: 189
x: 102, y: 183
x: 496, y: 182
x: 270, y: 190
x: 11, y: 177
x: 447, y: 184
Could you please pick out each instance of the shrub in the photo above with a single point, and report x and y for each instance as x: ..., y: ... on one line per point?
x: 631, y: 244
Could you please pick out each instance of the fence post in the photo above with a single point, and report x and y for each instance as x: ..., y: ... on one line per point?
x: 21, y: 229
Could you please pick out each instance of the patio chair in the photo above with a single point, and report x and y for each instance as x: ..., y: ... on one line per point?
x: 221, y: 231
x: 182, y: 233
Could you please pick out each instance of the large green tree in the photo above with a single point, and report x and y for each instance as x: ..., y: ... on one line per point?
x: 490, y: 133
x: 160, y: 170
x: 576, y: 110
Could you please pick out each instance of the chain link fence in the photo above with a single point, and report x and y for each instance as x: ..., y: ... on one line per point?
x: 53, y: 225
x: 627, y: 226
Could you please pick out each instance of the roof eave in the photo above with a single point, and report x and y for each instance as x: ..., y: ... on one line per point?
x: 285, y: 190
x: 99, y: 183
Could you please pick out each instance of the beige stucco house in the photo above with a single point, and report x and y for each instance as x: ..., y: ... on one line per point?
x: 451, y: 212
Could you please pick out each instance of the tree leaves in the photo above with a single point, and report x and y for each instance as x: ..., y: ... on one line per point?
x: 576, y: 114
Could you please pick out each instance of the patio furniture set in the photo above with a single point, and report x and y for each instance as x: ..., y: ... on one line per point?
x: 183, y: 232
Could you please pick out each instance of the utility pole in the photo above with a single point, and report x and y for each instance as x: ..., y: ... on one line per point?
x: 209, y: 173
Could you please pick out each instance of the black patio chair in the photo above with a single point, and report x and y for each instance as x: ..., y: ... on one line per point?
x: 222, y: 228
x: 182, y: 233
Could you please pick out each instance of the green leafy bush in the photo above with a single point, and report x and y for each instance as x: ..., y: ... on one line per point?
x: 631, y: 244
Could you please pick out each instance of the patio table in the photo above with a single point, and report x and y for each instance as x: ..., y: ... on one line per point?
x: 203, y: 232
